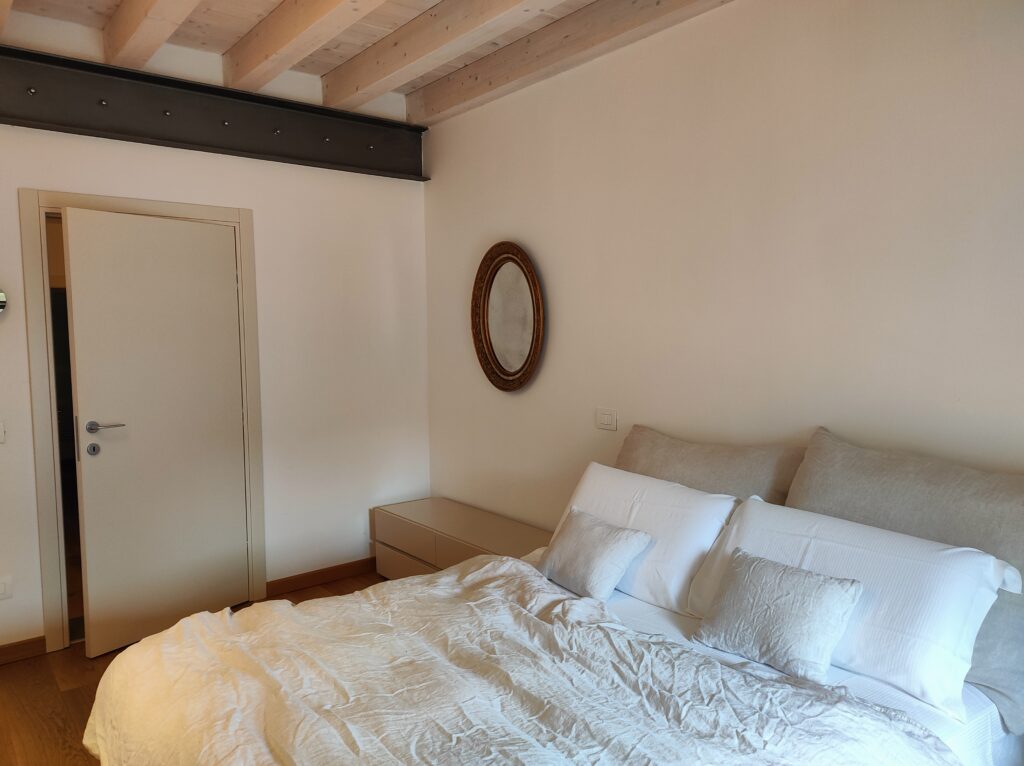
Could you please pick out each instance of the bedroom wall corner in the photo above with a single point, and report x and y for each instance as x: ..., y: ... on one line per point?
x: 768, y: 218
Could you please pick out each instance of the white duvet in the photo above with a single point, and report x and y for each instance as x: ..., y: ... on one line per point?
x: 486, y: 662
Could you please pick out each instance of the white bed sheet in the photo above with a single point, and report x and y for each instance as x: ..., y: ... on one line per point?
x: 484, y: 662
x: 980, y: 741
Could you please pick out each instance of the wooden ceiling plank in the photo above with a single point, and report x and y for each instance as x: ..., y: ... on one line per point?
x: 293, y: 30
x: 5, y: 11
x: 216, y: 25
x: 448, y: 30
x: 139, y: 27
x: 595, y: 29
x: 553, y: 13
x: 93, y: 14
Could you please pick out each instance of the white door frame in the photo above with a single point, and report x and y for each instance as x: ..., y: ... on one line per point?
x: 34, y: 204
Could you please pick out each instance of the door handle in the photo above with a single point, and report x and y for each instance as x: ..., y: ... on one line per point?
x: 93, y: 427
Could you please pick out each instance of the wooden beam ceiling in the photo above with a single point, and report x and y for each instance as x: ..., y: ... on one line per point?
x: 5, y: 10
x: 595, y: 29
x: 139, y: 27
x: 441, y: 34
x: 294, y: 30
x: 448, y: 56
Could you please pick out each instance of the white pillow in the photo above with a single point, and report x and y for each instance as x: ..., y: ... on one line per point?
x: 684, y: 523
x: 589, y: 556
x: 534, y: 557
x: 779, y: 615
x: 923, y: 602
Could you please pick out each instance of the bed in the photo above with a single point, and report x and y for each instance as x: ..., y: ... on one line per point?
x: 485, y: 662
x: 492, y: 662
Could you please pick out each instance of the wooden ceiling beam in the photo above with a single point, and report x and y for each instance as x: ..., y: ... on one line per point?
x: 292, y: 31
x: 435, y: 37
x: 592, y: 31
x: 139, y: 27
x: 5, y: 11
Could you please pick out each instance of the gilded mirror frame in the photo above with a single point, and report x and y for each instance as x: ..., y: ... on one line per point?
x: 498, y: 256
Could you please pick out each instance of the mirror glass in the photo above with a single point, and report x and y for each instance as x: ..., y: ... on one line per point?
x: 510, y: 316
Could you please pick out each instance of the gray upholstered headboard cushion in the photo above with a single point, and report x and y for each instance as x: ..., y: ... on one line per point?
x: 739, y: 471
x: 936, y: 500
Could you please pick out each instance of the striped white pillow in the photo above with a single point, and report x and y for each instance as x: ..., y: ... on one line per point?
x: 922, y: 606
x: 683, y: 523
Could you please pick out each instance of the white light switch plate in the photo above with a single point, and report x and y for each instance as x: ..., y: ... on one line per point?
x: 6, y: 587
x: 606, y: 420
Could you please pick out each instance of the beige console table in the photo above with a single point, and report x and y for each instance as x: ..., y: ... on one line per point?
x: 424, y: 536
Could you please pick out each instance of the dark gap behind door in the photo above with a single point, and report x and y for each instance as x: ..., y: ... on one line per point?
x: 66, y: 446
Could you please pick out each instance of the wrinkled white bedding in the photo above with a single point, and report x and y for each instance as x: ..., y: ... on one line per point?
x: 979, y: 741
x: 483, y: 662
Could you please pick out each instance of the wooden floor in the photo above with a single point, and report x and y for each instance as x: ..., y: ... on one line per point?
x: 45, y: 701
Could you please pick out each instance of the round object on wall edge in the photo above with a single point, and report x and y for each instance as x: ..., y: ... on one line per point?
x: 500, y: 255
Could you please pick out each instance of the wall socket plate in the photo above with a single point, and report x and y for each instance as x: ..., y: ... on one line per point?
x: 605, y: 419
x: 6, y: 587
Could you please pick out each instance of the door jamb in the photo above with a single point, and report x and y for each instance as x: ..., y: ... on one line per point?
x: 33, y: 206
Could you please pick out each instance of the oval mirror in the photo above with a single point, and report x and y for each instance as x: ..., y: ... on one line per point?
x: 507, y: 316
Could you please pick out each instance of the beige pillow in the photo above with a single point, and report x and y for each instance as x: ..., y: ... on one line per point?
x: 717, y: 468
x: 937, y: 500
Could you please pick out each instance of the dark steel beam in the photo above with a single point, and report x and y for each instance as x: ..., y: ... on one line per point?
x: 38, y: 90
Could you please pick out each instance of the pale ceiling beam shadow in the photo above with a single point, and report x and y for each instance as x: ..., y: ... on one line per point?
x: 595, y: 29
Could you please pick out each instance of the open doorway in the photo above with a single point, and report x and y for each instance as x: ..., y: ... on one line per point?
x: 67, y: 468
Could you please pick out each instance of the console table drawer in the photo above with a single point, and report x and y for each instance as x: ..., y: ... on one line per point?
x: 421, y: 536
x: 394, y: 564
x: 406, y: 536
x: 451, y: 552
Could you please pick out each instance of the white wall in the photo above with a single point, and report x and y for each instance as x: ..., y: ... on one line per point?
x: 340, y: 281
x: 777, y: 215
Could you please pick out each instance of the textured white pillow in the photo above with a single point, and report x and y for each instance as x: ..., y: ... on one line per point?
x: 684, y: 523
x: 589, y: 556
x: 923, y: 602
x: 779, y: 615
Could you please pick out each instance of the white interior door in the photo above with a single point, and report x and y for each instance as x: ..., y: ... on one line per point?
x: 154, y: 322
